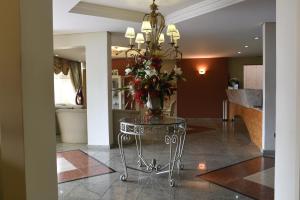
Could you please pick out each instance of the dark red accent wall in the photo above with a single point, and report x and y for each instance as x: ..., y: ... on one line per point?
x: 120, y: 65
x: 201, y: 96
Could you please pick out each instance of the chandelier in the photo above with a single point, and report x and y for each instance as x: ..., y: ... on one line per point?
x: 153, y: 37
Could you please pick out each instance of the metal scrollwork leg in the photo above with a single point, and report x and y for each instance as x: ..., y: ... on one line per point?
x: 174, y: 137
x: 182, y: 134
x: 122, y: 137
x: 170, y: 140
x: 141, y: 161
x: 139, y: 150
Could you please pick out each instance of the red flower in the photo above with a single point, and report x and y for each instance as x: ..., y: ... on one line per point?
x: 138, y: 97
x: 137, y: 83
x: 156, y: 63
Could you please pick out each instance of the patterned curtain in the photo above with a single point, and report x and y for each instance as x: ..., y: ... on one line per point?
x: 76, y: 77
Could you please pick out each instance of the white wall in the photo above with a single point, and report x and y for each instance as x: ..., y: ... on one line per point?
x: 98, y: 74
x: 269, y: 85
x: 287, y: 162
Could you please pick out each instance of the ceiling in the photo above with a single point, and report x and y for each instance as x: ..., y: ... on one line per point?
x: 76, y: 54
x: 225, y: 32
x: 220, y: 32
x: 165, y: 6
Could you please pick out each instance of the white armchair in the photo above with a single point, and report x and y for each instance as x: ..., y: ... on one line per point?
x: 72, y: 124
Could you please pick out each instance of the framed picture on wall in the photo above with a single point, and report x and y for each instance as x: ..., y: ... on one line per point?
x: 115, y: 72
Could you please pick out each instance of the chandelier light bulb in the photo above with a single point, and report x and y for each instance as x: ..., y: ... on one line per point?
x: 176, y: 43
x: 171, y: 29
x: 176, y: 35
x: 130, y: 33
x: 146, y: 27
x: 161, y: 38
x: 140, y: 38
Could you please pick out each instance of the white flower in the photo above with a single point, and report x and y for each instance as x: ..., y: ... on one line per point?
x: 147, y: 63
x: 127, y: 71
x: 177, y: 70
x: 150, y: 72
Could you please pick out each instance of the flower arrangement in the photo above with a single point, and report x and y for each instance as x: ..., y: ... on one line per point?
x: 233, y: 83
x: 149, y: 86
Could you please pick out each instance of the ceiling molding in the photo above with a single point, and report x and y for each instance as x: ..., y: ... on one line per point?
x: 198, y: 9
x: 107, y: 12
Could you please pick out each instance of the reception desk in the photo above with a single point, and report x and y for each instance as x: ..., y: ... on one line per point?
x: 247, y: 104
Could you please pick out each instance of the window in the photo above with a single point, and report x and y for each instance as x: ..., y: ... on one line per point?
x: 63, y: 89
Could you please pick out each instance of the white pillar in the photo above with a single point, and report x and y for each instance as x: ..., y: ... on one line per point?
x: 38, y: 99
x: 269, y: 87
x: 99, y: 99
x: 98, y: 77
x: 287, y: 162
x: 28, y: 142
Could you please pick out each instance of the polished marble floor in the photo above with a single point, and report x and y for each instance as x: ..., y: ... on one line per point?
x: 223, y: 144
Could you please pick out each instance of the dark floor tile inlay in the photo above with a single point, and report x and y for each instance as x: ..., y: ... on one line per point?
x: 75, y: 164
x: 233, y: 178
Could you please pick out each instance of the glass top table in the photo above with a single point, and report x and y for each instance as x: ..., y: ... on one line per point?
x: 154, y: 121
x: 174, y: 132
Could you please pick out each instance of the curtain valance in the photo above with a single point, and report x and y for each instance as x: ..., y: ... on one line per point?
x: 63, y: 65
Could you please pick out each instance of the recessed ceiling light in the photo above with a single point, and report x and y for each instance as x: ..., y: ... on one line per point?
x: 56, y: 55
x: 246, y: 46
x: 239, y: 52
x: 256, y: 38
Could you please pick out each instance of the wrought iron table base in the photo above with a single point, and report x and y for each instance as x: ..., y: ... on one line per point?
x: 175, y: 140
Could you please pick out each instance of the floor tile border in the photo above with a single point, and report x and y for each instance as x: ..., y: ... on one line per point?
x: 111, y: 169
x: 226, y: 187
x: 231, y: 165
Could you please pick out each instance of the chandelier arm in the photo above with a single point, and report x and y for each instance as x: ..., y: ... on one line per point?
x: 162, y: 24
x: 179, y: 53
x: 168, y: 51
x: 159, y: 30
x: 134, y: 50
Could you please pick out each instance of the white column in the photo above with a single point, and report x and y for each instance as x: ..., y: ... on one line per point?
x: 98, y: 77
x: 269, y: 86
x: 38, y: 99
x: 287, y: 162
x: 28, y: 142
x: 99, y: 99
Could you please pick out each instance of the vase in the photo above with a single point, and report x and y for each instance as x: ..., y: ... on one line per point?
x: 154, y: 108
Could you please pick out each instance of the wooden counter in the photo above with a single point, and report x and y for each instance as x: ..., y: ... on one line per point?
x: 252, y: 118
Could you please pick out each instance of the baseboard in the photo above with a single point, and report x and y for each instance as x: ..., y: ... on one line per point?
x: 104, y: 147
x: 269, y: 153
